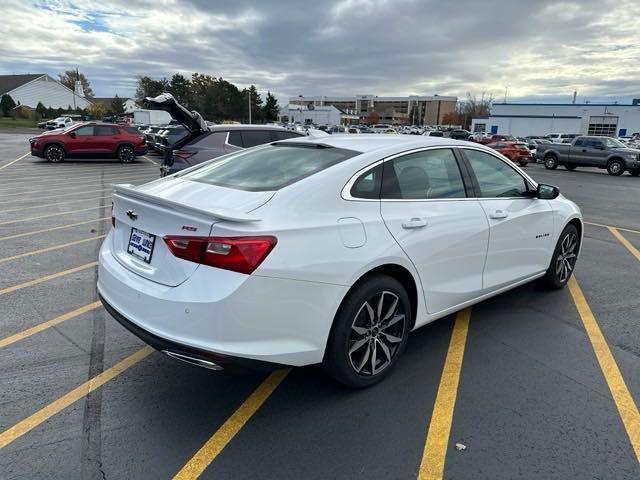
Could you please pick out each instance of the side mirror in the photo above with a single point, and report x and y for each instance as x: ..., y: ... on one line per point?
x: 547, y: 192
x: 72, y: 134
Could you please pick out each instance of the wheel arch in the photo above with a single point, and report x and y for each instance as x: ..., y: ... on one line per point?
x: 616, y: 157
x: 397, y: 272
x: 53, y: 142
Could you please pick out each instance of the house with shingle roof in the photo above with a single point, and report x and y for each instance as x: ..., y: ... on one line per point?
x: 30, y: 89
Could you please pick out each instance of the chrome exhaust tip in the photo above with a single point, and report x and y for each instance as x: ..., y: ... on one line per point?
x: 193, y: 361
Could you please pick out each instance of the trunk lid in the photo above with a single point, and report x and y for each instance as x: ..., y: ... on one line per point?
x: 192, y: 121
x: 172, y: 206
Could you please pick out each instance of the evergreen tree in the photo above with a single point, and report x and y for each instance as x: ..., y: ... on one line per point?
x: 270, y: 110
x: 41, y: 110
x: 6, y: 104
x: 180, y: 88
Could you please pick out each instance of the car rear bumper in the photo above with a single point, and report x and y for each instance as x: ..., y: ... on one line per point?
x: 222, y: 315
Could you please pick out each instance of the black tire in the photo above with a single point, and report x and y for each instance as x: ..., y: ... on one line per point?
x: 381, y: 337
x: 615, y: 167
x: 570, y: 167
x: 54, y: 153
x: 126, y: 154
x: 564, y: 258
x: 550, y: 162
x: 634, y: 173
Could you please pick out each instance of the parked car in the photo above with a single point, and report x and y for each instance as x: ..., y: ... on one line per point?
x: 517, y: 152
x: 170, y: 136
x: 60, y: 122
x: 380, y: 128
x: 84, y: 139
x: 600, y: 152
x: 434, y: 133
x: 493, y: 138
x: 272, y: 258
x: 460, y: 134
x: 561, y: 137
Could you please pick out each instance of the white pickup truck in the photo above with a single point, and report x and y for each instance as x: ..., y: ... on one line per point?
x: 60, y: 122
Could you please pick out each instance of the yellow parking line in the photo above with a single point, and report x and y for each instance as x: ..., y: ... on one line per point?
x: 71, y: 397
x: 54, y: 204
x: 26, y: 234
x: 212, y: 448
x: 609, y: 226
x: 50, y: 249
x: 634, y: 251
x: 46, y: 278
x: 14, y: 161
x: 435, y: 448
x: 48, y: 324
x: 624, y: 402
x: 52, y: 215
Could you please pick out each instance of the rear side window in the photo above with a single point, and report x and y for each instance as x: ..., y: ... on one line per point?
x: 430, y: 174
x: 368, y: 184
x: 270, y: 168
x: 215, y: 139
x: 252, y: 138
x: 104, y: 130
x: 278, y: 135
x: 579, y: 142
x: 235, y: 138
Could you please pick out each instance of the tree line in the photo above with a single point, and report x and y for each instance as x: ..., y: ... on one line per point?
x: 214, y: 98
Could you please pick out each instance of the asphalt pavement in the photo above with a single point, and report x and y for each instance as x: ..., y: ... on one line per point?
x: 528, y: 389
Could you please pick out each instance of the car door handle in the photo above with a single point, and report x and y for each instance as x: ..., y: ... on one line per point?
x: 414, y: 223
x: 498, y: 214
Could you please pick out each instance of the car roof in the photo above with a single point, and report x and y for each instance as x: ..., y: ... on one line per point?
x: 366, y: 143
x: 246, y: 126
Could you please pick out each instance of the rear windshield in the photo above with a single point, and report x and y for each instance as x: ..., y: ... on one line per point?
x: 269, y: 168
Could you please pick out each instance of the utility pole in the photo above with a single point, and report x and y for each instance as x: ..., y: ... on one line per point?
x: 249, y: 92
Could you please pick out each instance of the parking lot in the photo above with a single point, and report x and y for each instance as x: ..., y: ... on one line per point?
x: 535, y: 384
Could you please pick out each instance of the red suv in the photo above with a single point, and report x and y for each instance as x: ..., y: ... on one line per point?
x: 517, y: 152
x: 119, y: 141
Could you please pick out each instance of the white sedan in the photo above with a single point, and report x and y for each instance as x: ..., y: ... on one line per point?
x: 327, y: 250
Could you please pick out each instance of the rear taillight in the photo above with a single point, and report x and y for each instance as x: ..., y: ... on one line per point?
x: 240, y: 254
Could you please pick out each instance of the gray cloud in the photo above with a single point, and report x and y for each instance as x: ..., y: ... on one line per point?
x: 534, y: 48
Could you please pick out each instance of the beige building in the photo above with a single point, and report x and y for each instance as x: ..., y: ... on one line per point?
x: 411, y: 110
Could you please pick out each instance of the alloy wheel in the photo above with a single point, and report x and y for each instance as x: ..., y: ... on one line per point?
x: 376, y: 333
x: 125, y: 154
x: 567, y: 257
x: 55, y: 153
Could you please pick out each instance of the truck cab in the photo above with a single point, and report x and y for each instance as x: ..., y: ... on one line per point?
x: 590, y: 151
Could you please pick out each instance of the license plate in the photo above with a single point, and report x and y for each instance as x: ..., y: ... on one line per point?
x: 141, y: 244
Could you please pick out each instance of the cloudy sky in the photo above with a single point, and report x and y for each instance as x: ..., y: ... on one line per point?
x: 537, y: 50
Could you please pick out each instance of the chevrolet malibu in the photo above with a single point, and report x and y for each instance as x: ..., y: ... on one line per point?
x: 327, y: 250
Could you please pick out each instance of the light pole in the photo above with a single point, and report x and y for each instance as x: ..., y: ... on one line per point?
x: 249, y: 91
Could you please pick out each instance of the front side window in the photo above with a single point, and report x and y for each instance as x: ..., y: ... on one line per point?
x: 495, y: 178
x: 268, y: 169
x: 84, y: 131
x: 430, y: 174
